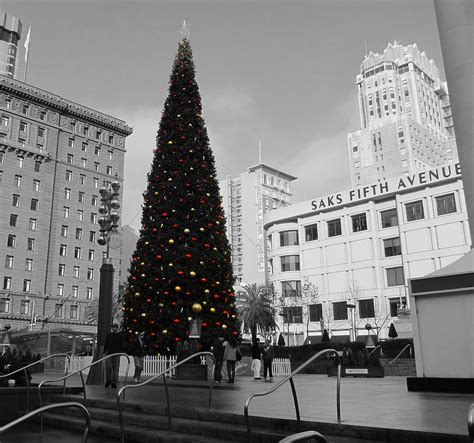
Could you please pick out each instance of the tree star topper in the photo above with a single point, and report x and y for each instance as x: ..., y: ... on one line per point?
x: 185, y: 31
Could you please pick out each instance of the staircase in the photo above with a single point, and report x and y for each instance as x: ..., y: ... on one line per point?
x: 149, y: 423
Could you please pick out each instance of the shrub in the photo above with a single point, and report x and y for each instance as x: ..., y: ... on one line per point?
x: 391, y: 348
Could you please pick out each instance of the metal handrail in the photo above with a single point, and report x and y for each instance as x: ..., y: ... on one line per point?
x: 373, y: 350
x: 295, y: 399
x: 305, y: 436
x: 24, y: 368
x: 121, y: 354
x: 470, y: 422
x: 162, y: 374
x: 400, y: 353
x: 12, y: 424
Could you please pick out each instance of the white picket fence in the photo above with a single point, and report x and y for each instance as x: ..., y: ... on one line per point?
x: 154, y: 364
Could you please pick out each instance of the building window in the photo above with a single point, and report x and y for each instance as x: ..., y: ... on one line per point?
x: 67, y: 194
x: 73, y: 312
x: 62, y: 250
x: 80, y: 214
x: 25, y: 307
x: 446, y: 204
x: 78, y: 234
x: 96, y: 182
x: 9, y: 262
x: 395, y: 276
x: 91, y: 255
x: 290, y: 263
x: 26, y: 285
x: 395, y: 304
x: 30, y: 244
x: 315, y: 312
x: 37, y: 166
x: 72, y: 126
x: 75, y: 291
x: 84, y: 162
x: 84, y: 147
x: 339, y: 310
x: 70, y: 144
x: 60, y: 289
x: 66, y: 211
x: 81, y: 197
x: 359, y: 223
x: 89, y: 293
x: 392, y: 247
x: 93, y: 217
x: 32, y: 224
x: 111, y: 154
x: 11, y: 241
x: 70, y: 158
x: 34, y: 204
x: 29, y: 264
x: 18, y: 180
x: 68, y: 176
x: 25, y: 108
x: 5, y: 120
x: 366, y: 308
x: 41, y: 132
x: 36, y: 185
x: 16, y: 200
x: 62, y: 269
x: 96, y: 166
x: 20, y: 162
x: 288, y: 238
x: 415, y: 210
x: 77, y: 252
x: 13, y: 220
x: 92, y: 236
x: 23, y: 129
x: 334, y: 227
x: 85, y: 131
x: 111, y: 140
x: 94, y: 200
x: 76, y: 272
x: 109, y: 170
x: 291, y: 288
x: 5, y: 302
x: 64, y: 230
x: 90, y: 274
x: 292, y: 314
x: 389, y: 218
x: 98, y: 135
x: 58, y: 310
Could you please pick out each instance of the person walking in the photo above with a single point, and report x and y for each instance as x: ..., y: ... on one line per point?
x: 114, y: 343
x: 218, y: 351
x: 268, y: 354
x: 256, y: 357
x: 230, y: 356
x: 138, y: 352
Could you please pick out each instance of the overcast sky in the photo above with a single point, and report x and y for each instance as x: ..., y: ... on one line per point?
x: 282, y: 72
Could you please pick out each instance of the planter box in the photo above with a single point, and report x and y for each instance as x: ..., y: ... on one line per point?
x: 357, y: 371
x: 191, y: 372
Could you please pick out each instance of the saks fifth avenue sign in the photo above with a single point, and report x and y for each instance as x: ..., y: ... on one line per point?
x: 386, y: 187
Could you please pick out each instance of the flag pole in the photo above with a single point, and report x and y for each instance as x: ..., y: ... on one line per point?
x: 27, y: 48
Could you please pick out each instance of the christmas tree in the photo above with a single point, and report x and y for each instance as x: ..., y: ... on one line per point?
x: 181, y: 269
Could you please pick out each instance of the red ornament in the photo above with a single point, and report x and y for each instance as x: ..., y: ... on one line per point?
x: 204, y: 279
x: 148, y: 300
x: 188, y: 255
x: 235, y: 333
x: 218, y: 323
x: 158, y: 257
x: 152, y: 334
x: 164, y: 214
x: 207, y: 245
x: 216, y: 296
x: 204, y: 324
x: 177, y: 339
x: 176, y: 321
x: 180, y: 272
x: 152, y: 322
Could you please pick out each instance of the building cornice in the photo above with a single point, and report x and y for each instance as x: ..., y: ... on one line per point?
x: 63, y: 106
x: 272, y: 170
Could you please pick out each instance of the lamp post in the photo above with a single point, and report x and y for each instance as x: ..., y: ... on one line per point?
x: 110, y: 237
x: 351, y: 306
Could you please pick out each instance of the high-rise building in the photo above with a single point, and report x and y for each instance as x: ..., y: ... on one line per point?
x: 405, y: 117
x: 10, y: 34
x: 245, y: 199
x: 55, y: 155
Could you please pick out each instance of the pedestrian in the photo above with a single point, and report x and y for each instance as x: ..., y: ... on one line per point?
x: 114, y: 343
x: 268, y: 354
x: 256, y: 357
x: 230, y: 356
x: 138, y: 352
x: 218, y: 351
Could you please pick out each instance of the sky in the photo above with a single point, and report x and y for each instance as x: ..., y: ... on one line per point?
x: 282, y: 72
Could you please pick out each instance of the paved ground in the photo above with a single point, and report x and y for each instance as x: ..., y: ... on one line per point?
x: 381, y: 402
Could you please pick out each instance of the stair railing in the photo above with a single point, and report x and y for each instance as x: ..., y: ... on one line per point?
x: 400, y: 353
x: 82, y: 408
x: 470, y: 422
x: 305, y: 436
x: 120, y: 397
x: 24, y: 368
x: 293, y: 390
x: 79, y: 371
x: 373, y: 350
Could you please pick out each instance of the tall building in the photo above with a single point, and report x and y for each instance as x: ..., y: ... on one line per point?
x: 55, y: 155
x: 342, y: 261
x: 405, y: 117
x: 10, y: 34
x: 245, y: 199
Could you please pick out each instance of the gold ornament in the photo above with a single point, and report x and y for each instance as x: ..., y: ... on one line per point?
x: 213, y: 310
x: 206, y: 291
x: 201, y: 229
x: 170, y: 265
x: 165, y: 331
x: 190, y: 318
x: 170, y: 241
x: 177, y: 288
x: 143, y: 314
x: 197, y: 308
x: 186, y: 231
x: 224, y: 327
x: 192, y: 274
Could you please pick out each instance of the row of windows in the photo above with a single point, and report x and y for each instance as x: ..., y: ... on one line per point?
x: 76, y: 271
x: 26, y: 307
x: 85, y: 130
x: 31, y: 242
x: 70, y: 160
x: 365, y: 309
x: 85, y: 148
x: 20, y: 161
x: 10, y: 259
x: 445, y: 204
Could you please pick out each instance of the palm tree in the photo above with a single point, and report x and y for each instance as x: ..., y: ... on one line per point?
x: 255, y: 309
